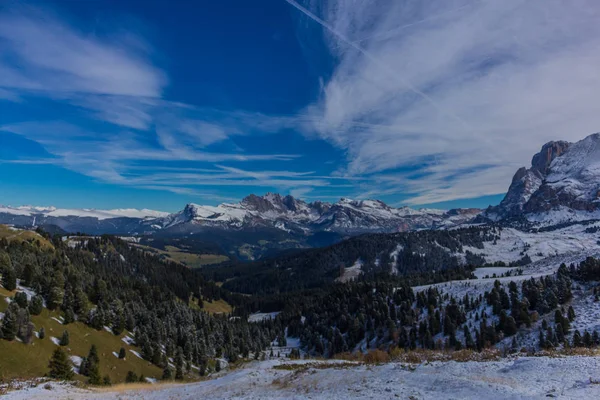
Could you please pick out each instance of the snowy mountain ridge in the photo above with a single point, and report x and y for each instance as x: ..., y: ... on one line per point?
x: 272, y: 210
x: 288, y: 213
x: 562, y: 185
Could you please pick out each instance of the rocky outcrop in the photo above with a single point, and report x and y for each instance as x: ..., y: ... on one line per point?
x: 562, y: 184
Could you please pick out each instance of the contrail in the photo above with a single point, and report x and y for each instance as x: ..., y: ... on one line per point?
x: 375, y: 61
x: 393, y: 31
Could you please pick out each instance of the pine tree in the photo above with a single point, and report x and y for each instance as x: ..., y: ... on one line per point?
x: 60, y: 365
x: 571, y: 314
x: 36, y: 305
x: 42, y: 333
x: 21, y: 299
x: 167, y: 373
x: 93, y: 366
x: 122, y: 353
x: 542, y: 340
x: 131, y: 377
x: 179, y: 364
x: 577, y: 339
x: 10, y: 324
x: 510, y: 326
x: 9, y: 278
x: 64, y: 340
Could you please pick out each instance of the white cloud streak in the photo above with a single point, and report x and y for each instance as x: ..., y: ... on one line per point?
x: 462, y: 91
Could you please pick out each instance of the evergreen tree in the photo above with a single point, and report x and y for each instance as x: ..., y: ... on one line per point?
x: 60, y: 365
x: 93, y: 366
x: 64, y: 339
x: 21, y: 299
x: 571, y: 314
x: 42, y: 333
x: 167, y: 373
x: 36, y: 305
x: 122, y: 353
x: 131, y: 377
x: 9, y: 278
x: 542, y: 340
x: 10, y: 324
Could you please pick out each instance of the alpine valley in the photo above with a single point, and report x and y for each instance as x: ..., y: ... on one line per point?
x: 352, y: 299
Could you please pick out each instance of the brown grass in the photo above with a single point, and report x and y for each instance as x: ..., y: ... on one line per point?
x: 419, y: 356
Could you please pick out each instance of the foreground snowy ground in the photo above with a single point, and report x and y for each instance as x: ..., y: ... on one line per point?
x: 520, y: 378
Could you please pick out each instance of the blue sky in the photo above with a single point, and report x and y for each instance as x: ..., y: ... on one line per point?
x: 112, y: 104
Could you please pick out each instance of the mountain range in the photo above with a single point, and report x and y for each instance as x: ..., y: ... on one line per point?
x: 561, y: 185
x: 271, y: 211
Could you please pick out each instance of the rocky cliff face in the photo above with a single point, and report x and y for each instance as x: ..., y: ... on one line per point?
x: 562, y: 184
x: 526, y: 182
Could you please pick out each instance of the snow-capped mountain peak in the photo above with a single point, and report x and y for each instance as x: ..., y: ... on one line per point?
x: 562, y: 184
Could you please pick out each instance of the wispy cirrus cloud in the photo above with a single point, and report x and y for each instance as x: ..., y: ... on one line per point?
x: 113, y: 80
x: 462, y: 91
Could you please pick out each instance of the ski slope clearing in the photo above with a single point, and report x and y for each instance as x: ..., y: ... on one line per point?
x: 543, y: 267
x: 514, y: 244
x: 519, y: 378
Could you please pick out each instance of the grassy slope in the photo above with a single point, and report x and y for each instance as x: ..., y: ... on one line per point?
x: 183, y: 257
x: 18, y: 360
x: 219, y: 306
x: 23, y: 235
x: 216, y: 307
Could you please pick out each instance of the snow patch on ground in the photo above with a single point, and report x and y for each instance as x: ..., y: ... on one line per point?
x: 351, y: 273
x: 546, y: 266
x: 30, y: 293
x: 516, y: 378
x: 128, y: 339
x: 55, y: 340
x: 138, y: 355
x: 258, y: 317
x: 514, y: 244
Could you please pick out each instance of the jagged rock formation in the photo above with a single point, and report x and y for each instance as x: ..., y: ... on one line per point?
x: 563, y: 184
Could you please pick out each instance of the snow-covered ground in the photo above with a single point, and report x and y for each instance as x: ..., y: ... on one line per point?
x: 351, y: 273
x: 543, y: 267
x: 519, y: 378
x: 257, y: 317
x: 514, y: 244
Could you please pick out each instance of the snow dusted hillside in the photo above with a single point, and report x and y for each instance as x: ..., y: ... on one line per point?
x: 515, y: 378
x: 514, y: 244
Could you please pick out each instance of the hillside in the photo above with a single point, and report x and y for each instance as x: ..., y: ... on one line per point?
x: 21, y: 360
x: 399, y: 254
x: 107, y: 294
